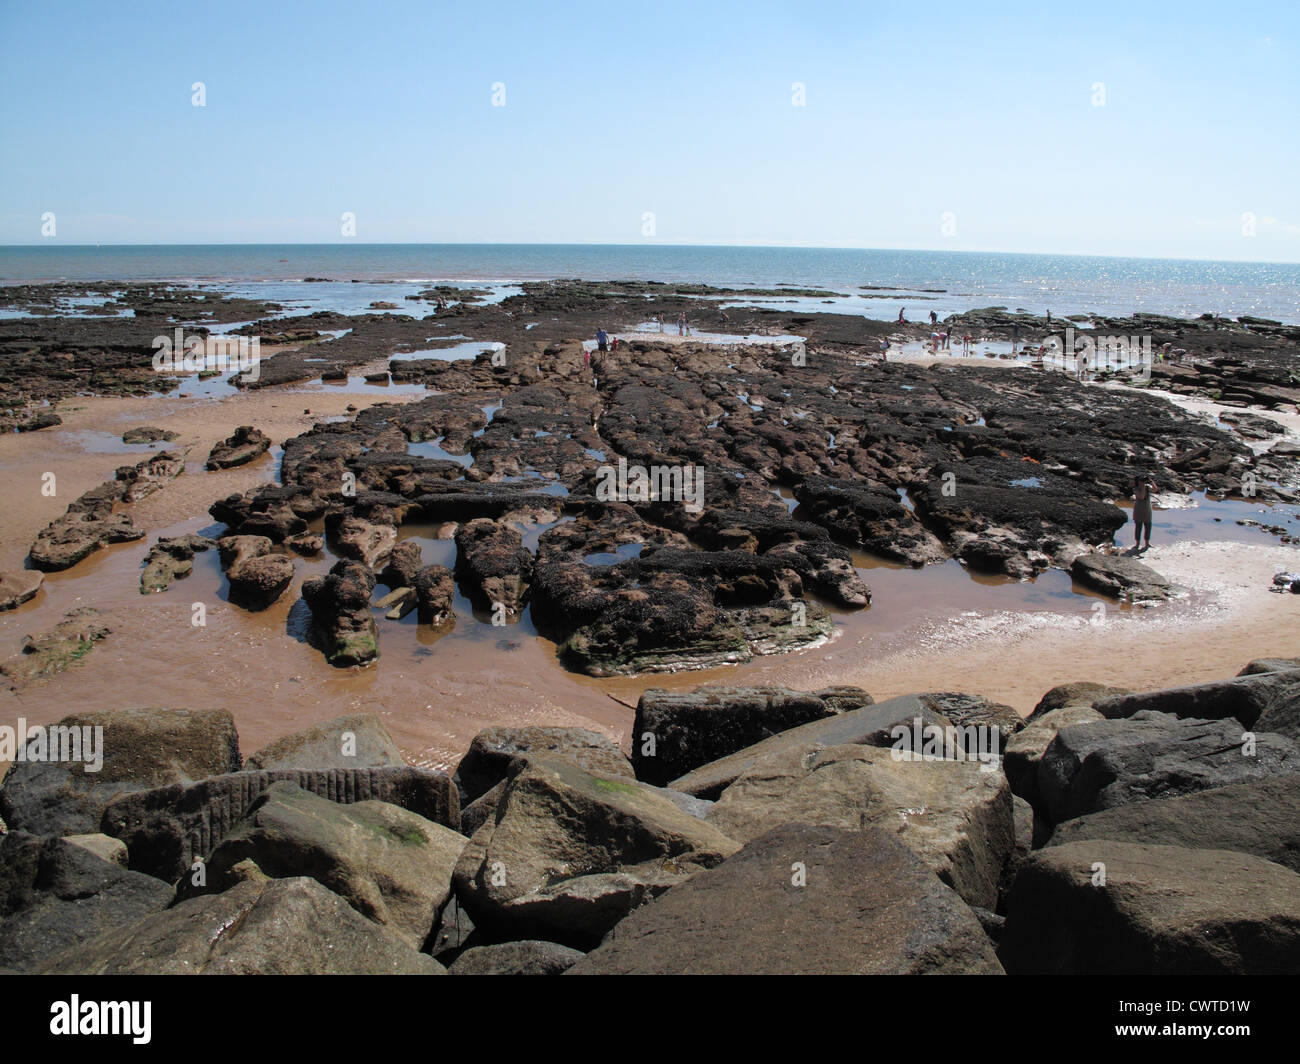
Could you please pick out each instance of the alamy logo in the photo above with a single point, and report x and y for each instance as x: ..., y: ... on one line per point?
x: 930, y: 742
x: 58, y: 742
x: 103, y: 1017
x: 624, y: 483
x: 203, y: 354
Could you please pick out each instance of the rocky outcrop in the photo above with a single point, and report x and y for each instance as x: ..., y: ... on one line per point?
x: 529, y: 957
x: 148, y: 434
x: 568, y: 855
x: 272, y: 927
x: 141, y: 749
x: 493, y: 567
x: 18, y: 586
x: 392, y: 866
x: 357, y: 740
x: 166, y: 828
x: 808, y: 901
x: 257, y: 577
x: 1124, y: 578
x: 171, y: 559
x: 435, y: 595
x: 1089, y: 767
x: 953, y: 814
x: 1243, y: 698
x: 871, y: 725
x: 677, y: 731
x: 1260, y: 818
x: 342, y: 625
x: 499, y: 754
x: 1102, y: 906
x: 1025, y: 751
x: 245, y: 444
x: 55, y: 894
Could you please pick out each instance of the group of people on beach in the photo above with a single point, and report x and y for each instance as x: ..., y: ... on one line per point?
x: 683, y: 326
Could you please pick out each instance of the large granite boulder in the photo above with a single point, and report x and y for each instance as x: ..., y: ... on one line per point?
x: 391, y: 865
x: 497, y: 754
x: 1161, y: 910
x: 1261, y: 818
x: 142, y: 749
x: 530, y: 957
x: 55, y: 894
x: 677, y: 731
x: 569, y: 854
x: 1080, y: 693
x: 956, y: 816
x: 165, y: 829
x: 357, y: 740
x: 803, y: 900
x: 1246, y: 698
x: 1025, y: 750
x: 871, y: 725
x: 1088, y: 767
x: 267, y: 927
x: 975, y: 711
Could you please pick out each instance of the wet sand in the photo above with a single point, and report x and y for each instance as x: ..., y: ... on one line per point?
x: 934, y: 629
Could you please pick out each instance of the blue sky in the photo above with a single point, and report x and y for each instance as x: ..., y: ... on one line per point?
x: 915, y: 114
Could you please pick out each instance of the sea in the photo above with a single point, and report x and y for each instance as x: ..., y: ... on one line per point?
x: 874, y: 283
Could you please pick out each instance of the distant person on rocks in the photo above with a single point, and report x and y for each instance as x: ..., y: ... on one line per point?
x: 726, y: 319
x: 602, y: 340
x: 1142, y: 488
x: 1083, y: 367
x: 884, y: 349
x: 1049, y: 319
x: 681, y: 324
x: 902, y: 320
x: 965, y: 345
x: 934, y: 318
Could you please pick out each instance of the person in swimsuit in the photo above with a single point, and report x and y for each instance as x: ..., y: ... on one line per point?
x: 1141, y: 510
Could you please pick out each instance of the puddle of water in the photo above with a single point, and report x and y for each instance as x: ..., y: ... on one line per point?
x: 454, y: 353
x: 622, y: 553
x: 434, y: 449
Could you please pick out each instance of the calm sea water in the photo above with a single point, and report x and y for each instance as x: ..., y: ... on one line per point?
x: 1064, y: 284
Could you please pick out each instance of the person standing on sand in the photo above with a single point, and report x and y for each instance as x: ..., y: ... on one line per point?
x: 1142, y: 488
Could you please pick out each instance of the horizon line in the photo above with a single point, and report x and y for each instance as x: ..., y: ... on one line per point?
x: 642, y: 244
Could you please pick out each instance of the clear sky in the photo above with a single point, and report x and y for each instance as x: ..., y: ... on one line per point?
x: 913, y: 114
